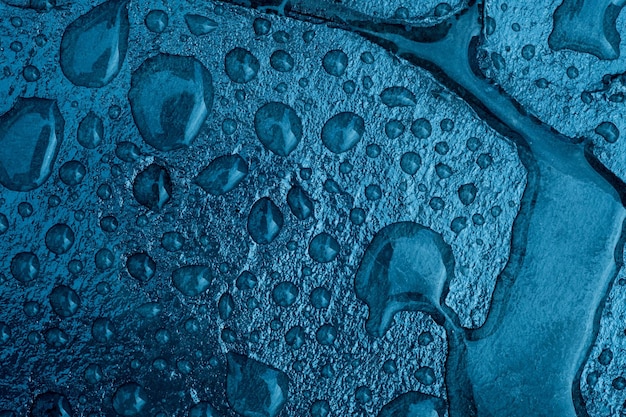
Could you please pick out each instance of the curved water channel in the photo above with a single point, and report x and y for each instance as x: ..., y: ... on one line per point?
x: 527, y: 358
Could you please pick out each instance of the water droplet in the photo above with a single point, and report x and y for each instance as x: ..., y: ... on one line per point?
x: 90, y: 131
x: 285, y: 294
x: 72, y: 173
x: 326, y: 335
x: 282, y: 61
x: 261, y: 26
x: 335, y: 62
x: 421, y: 128
x: 226, y: 306
x: 299, y: 202
x: 265, y: 221
x: 192, y: 280
x: 94, y: 46
x: 141, y: 266
x: 323, y: 248
x: 102, y: 330
x: 467, y: 193
x: 320, y: 298
x: 25, y: 266
x: 295, y: 337
x: 59, y: 238
x: 394, y: 129
x: 241, y: 65
x: 64, y: 301
x: 398, y: 97
x: 608, y: 131
x: 246, y: 281
x: 31, y: 73
x: 278, y: 128
x: 130, y: 399
x: 156, y: 21
x: 127, y: 151
x: 223, y: 174
x: 254, y: 388
x: 51, y: 404
x: 170, y: 98
x: 33, y: 129
x: 342, y: 132
x: 200, y: 25
x: 153, y: 187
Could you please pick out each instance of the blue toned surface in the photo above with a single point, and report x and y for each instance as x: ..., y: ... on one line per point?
x: 308, y: 208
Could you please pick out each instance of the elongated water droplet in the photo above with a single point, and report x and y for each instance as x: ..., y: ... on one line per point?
x: 94, y: 46
x: 32, y: 129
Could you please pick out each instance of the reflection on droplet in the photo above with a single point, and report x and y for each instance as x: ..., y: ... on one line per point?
x: 94, y: 46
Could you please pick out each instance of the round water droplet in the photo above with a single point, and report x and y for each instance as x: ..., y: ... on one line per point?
x: 130, y: 399
x: 342, y: 132
x: 59, y: 238
x: 324, y: 248
x: 72, y: 173
x: 326, y: 335
x: 278, y: 128
x: 141, y: 266
x: 31, y: 73
x: 282, y: 61
x: 25, y: 266
x: 335, y: 62
x: 64, y: 301
x: 421, y: 128
x: 285, y: 294
x: 241, y: 65
x: 156, y: 21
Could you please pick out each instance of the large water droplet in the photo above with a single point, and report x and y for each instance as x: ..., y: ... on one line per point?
x: 255, y: 389
x: 265, y: 221
x: 170, y: 98
x: 94, y: 46
x: 278, y: 127
x: 342, y: 132
x: 32, y: 129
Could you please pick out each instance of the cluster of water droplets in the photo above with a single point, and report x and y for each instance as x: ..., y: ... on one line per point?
x: 193, y: 202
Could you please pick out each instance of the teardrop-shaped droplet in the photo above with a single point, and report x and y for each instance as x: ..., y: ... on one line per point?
x: 200, y: 25
x: 170, y: 98
x: 94, y: 46
x: 265, y: 221
x: 31, y: 134
x: 90, y: 131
